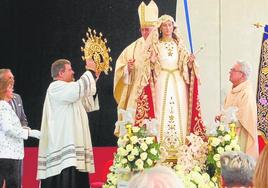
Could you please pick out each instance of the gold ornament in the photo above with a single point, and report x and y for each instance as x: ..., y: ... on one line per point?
x: 129, y: 131
x: 171, y: 144
x: 264, y: 70
x: 96, y: 49
x: 232, y: 128
x: 258, y: 25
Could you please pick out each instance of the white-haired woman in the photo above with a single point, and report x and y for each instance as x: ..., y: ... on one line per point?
x: 11, y: 137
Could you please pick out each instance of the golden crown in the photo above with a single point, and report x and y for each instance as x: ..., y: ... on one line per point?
x: 96, y: 49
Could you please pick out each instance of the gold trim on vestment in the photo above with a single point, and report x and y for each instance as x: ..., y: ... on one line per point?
x: 131, y: 75
x: 166, y: 39
x: 170, y: 72
x: 190, y: 105
x: 142, y: 108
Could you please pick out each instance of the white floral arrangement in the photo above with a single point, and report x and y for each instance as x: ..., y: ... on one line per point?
x: 136, y: 151
x: 197, y: 178
x: 112, y: 177
x: 224, y: 141
x: 198, y: 161
x: 191, y: 165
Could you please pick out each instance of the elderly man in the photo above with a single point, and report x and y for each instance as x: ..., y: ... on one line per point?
x: 131, y: 80
x: 65, y: 151
x: 242, y: 97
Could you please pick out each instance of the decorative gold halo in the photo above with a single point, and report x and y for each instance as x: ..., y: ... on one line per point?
x: 96, y: 49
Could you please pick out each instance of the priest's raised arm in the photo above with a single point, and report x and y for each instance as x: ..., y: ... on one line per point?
x: 65, y: 149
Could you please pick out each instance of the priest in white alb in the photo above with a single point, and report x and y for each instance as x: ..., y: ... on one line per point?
x: 65, y: 154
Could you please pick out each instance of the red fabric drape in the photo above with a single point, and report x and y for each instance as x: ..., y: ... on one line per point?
x: 145, y: 107
x: 195, y: 122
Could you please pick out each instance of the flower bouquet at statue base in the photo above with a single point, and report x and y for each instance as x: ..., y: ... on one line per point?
x: 137, y: 150
x: 221, y: 139
x: 190, y: 167
x: 198, y: 161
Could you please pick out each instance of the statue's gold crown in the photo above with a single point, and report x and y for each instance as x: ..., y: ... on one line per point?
x: 96, y: 49
x: 148, y: 14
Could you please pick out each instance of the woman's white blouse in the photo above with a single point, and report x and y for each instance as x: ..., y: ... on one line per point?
x: 11, y: 133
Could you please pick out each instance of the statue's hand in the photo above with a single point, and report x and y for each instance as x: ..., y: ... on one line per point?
x: 191, y: 60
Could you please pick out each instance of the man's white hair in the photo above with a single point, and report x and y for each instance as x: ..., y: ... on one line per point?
x: 245, y: 67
